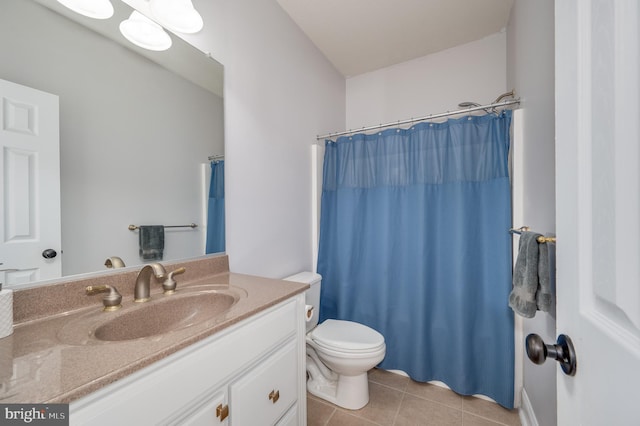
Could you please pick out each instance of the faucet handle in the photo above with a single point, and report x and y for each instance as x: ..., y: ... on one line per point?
x: 169, y: 284
x: 111, y: 301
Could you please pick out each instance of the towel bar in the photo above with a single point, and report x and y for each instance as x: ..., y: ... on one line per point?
x: 192, y: 225
x: 519, y: 230
x: 541, y: 239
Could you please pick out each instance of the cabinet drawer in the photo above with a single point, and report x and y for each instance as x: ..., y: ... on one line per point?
x: 267, y: 391
x: 208, y: 413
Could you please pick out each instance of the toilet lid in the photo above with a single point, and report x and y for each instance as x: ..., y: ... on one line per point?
x: 346, y: 335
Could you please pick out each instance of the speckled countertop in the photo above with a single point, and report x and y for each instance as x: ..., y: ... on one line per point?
x: 40, y: 363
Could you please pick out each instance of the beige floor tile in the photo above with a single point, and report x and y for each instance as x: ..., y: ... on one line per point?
x: 386, y: 378
x: 383, y: 405
x: 395, y: 400
x: 435, y: 393
x: 490, y: 410
x: 417, y: 411
x: 341, y: 418
x: 469, y: 419
x: 318, y: 413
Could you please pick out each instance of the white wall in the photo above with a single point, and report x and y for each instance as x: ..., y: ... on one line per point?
x: 530, y: 69
x: 280, y: 93
x: 432, y: 84
x: 132, y: 136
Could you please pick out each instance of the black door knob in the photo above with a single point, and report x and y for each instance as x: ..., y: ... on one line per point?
x: 562, y: 351
x: 49, y: 254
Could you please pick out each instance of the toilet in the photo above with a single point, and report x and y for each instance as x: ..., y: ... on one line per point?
x: 339, y: 353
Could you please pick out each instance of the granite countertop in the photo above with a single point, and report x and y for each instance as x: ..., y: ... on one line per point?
x: 39, y: 364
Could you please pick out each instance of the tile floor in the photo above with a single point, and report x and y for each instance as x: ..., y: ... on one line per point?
x: 396, y: 400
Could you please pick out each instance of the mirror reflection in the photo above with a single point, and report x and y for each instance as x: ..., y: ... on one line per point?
x: 135, y: 138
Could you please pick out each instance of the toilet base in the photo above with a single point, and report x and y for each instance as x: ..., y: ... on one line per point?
x: 350, y: 392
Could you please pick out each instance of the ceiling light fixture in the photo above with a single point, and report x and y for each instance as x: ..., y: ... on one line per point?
x: 97, y: 9
x: 177, y: 15
x: 145, y: 33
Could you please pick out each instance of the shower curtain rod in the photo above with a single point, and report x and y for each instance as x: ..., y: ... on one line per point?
x: 428, y: 117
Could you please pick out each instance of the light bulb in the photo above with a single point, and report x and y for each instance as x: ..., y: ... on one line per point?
x: 177, y: 15
x: 145, y: 33
x: 97, y: 9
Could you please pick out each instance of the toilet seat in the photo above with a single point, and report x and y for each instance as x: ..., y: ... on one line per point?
x: 347, y: 337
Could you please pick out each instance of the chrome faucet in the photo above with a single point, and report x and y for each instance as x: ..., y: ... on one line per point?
x: 143, y: 282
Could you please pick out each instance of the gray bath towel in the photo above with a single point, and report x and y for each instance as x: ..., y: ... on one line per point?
x: 151, y: 242
x: 531, y: 286
x: 544, y: 295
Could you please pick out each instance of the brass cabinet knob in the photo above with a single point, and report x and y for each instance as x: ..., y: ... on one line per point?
x: 274, y: 396
x: 222, y: 411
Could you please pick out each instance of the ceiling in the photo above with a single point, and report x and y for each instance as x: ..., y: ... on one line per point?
x: 359, y: 36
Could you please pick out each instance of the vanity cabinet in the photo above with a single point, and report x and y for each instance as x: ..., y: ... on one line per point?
x: 249, y: 374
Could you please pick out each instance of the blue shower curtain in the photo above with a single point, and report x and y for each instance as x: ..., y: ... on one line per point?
x: 414, y: 243
x: 215, y: 211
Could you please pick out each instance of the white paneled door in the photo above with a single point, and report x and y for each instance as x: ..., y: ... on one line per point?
x: 30, y: 242
x: 598, y: 208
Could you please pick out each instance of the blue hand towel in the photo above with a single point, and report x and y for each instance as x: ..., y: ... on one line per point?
x: 525, y: 276
x: 151, y: 242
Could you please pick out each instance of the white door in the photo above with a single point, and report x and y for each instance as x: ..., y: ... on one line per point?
x: 598, y: 208
x: 29, y: 185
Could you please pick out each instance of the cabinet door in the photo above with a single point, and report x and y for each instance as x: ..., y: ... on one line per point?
x: 213, y: 412
x: 267, y: 391
x: 291, y: 418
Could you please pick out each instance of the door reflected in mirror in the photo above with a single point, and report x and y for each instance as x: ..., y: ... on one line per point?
x: 135, y: 138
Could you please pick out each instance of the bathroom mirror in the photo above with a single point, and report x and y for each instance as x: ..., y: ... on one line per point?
x: 135, y: 135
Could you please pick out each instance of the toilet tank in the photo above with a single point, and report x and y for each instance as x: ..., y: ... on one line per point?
x: 312, y: 295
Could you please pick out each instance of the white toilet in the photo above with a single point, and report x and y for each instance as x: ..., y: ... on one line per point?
x: 339, y: 353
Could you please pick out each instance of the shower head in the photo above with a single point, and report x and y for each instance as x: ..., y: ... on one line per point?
x: 494, y: 110
x: 473, y: 105
x: 468, y: 104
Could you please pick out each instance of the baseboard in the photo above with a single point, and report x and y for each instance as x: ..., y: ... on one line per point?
x: 527, y: 416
